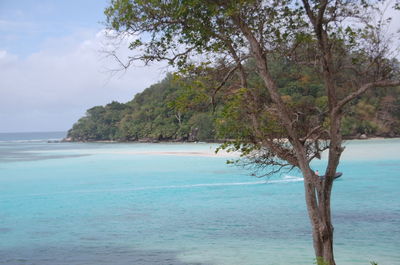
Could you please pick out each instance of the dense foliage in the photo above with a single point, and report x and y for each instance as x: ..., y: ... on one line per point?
x: 182, y: 110
x: 292, y: 75
x: 166, y: 111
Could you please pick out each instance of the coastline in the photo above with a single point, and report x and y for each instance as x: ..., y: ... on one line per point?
x: 147, y: 141
x: 209, y: 153
x: 154, y: 141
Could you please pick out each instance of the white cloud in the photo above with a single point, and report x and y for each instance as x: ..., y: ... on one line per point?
x: 51, y: 89
x: 393, y: 28
x: 9, y: 25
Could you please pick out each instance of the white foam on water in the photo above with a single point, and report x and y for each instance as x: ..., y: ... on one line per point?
x: 287, y: 179
x: 189, y: 186
x: 291, y: 177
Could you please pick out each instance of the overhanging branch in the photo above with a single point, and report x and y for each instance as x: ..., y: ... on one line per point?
x: 363, y: 89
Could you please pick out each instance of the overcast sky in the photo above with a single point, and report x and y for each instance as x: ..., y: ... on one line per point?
x: 51, y: 66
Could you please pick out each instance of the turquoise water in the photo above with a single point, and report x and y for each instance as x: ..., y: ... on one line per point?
x: 81, y: 203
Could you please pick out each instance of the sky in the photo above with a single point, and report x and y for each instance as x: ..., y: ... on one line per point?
x: 52, y: 68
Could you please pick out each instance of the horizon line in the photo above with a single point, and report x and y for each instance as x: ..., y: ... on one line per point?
x: 35, y: 132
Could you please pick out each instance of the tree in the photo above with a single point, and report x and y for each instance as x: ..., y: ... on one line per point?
x: 100, y: 123
x: 335, y: 40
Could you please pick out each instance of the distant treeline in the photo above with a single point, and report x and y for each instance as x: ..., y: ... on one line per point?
x: 152, y: 115
x: 190, y: 109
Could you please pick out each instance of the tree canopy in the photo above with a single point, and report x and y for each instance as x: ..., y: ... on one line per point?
x: 339, y: 47
x: 187, y: 110
x: 158, y: 113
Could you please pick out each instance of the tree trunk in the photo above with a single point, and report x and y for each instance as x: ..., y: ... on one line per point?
x: 328, y: 246
x: 323, y: 240
x: 317, y: 192
x: 324, y: 243
x: 313, y: 214
x: 319, y: 212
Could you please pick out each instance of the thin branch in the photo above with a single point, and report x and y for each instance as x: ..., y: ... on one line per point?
x: 317, y: 154
x: 321, y: 12
x: 363, y: 89
x: 223, y: 82
x: 309, y: 11
x: 310, y: 133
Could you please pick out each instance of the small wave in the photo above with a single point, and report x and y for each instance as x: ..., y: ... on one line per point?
x: 153, y: 188
x: 290, y: 177
x: 286, y: 179
x: 262, y: 182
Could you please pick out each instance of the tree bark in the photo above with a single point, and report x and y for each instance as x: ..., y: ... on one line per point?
x: 317, y: 192
x: 319, y: 212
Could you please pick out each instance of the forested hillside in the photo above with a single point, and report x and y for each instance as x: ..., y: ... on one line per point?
x: 164, y: 111
x: 189, y: 109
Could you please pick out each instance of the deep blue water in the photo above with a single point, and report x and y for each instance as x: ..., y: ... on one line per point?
x: 98, y: 203
x: 32, y: 136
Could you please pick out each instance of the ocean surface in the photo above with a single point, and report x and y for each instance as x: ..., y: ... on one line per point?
x: 180, y: 204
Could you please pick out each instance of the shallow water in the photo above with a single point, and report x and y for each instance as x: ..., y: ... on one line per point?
x: 77, y: 203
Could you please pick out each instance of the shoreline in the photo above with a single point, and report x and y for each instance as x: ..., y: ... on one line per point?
x: 66, y: 140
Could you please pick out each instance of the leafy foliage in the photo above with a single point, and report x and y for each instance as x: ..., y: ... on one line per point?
x: 274, y: 58
x: 180, y: 108
x: 165, y: 111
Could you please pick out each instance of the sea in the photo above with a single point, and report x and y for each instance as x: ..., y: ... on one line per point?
x: 181, y: 204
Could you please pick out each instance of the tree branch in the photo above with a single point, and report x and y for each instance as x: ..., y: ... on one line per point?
x: 321, y: 12
x: 310, y: 133
x: 223, y: 82
x: 363, y: 89
x: 310, y: 13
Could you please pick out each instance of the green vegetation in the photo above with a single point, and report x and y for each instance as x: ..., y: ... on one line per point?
x: 166, y: 111
x: 180, y: 108
x: 320, y: 261
x: 281, y: 78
